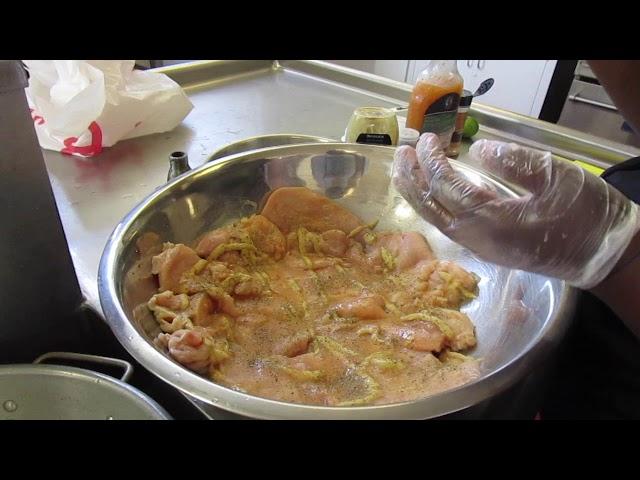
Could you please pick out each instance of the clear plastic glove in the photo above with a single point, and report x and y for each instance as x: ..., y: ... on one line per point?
x: 570, y: 225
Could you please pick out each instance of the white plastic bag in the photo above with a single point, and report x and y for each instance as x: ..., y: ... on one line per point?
x: 80, y: 106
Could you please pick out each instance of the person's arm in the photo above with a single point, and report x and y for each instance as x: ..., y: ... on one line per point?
x: 621, y: 289
x: 620, y: 79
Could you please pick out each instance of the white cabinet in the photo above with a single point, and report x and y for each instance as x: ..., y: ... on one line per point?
x: 520, y: 85
x: 393, y: 69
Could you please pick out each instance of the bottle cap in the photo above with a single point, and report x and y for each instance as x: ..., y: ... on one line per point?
x: 466, y: 98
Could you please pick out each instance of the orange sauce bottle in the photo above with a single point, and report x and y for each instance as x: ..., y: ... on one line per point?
x: 435, y: 99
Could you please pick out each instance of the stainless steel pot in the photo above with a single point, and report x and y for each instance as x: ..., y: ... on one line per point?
x: 518, y: 315
x: 56, y: 392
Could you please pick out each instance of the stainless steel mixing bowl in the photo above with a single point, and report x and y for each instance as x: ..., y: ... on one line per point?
x: 518, y: 315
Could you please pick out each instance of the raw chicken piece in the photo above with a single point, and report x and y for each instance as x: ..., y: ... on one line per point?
x: 390, y: 252
x: 189, y: 349
x: 213, y: 273
x: 170, y: 311
x: 404, y: 249
x: 171, y: 264
x: 462, y: 332
x: 434, y: 329
x: 334, y: 243
x: 445, y: 283
x: 225, y: 301
x: 248, y: 288
x: 292, y: 207
x: 211, y: 240
x: 365, y: 307
x: 294, y: 345
x: 256, y: 230
x: 265, y: 235
x: 170, y: 301
x: 201, y: 307
x: 418, y: 335
x: 148, y: 243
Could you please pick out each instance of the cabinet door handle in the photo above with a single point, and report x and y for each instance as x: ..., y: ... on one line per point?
x: 481, y: 64
x: 578, y: 99
x: 469, y: 63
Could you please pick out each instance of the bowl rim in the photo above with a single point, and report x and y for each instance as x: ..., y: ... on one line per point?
x: 312, y: 139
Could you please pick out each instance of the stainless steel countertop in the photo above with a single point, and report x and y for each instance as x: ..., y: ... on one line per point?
x: 232, y: 101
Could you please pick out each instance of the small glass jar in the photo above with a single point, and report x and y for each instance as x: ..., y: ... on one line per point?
x: 373, y: 125
x: 463, y: 110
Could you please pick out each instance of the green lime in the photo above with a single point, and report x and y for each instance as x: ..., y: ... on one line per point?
x: 471, y: 127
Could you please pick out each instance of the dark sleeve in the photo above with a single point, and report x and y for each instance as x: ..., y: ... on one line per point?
x: 625, y: 177
x: 598, y: 364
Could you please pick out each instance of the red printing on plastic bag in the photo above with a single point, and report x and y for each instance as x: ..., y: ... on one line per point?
x: 37, y: 119
x: 87, y: 150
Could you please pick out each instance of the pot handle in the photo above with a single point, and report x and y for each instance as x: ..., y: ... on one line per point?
x: 116, y: 362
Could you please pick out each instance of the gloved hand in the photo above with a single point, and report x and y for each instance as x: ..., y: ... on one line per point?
x: 570, y: 225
